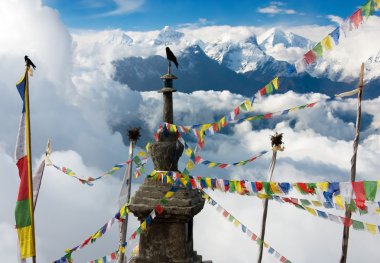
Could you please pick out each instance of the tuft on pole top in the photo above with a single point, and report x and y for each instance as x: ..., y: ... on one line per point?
x: 134, y: 134
x: 277, y: 143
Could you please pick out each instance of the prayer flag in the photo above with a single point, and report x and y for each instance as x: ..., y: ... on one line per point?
x: 335, y: 35
x: 310, y: 57
x: 370, y: 188
x: 24, y: 209
x: 326, y: 43
x: 368, y: 9
x: 356, y: 18
x: 318, y: 50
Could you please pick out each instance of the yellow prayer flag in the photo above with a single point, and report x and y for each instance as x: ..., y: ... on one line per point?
x: 275, y: 188
x: 326, y: 43
x: 188, y: 152
x: 183, y: 181
x: 169, y: 194
x: 27, y: 248
x: 97, y: 235
x: 371, y: 228
x: 169, y: 180
x: 316, y: 203
x: 311, y: 211
x: 323, y: 186
x: 236, y: 223
x: 223, y: 121
x: 143, y: 225
x: 100, y: 260
x: 238, y: 187
x: 265, y: 245
x: 190, y: 165
x: 122, y: 249
x: 377, y: 2
x: 208, y: 182
x: 339, y: 201
x: 248, y: 104
x: 212, y: 164
x: 378, y: 182
x: 275, y: 83
x: 141, y: 154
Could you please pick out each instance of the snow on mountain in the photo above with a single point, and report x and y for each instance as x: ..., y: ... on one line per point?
x: 168, y: 36
x: 238, y: 56
x: 275, y: 36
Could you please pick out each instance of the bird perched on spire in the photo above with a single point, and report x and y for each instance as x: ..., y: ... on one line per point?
x: 170, y: 56
x: 29, y: 62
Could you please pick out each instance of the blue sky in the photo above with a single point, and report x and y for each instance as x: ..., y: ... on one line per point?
x: 154, y: 14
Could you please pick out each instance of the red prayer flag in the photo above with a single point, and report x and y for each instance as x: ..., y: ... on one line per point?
x: 310, y: 57
x: 259, y: 186
x: 225, y: 213
x: 159, y: 209
x: 254, y: 237
x: 356, y: 18
x: 360, y: 204
x: 236, y: 111
x: 346, y: 221
x: 268, y: 116
x: 359, y: 190
x: 304, y: 188
x: 262, y: 91
x: 113, y: 256
x: 282, y: 259
x: 311, y: 105
x: 223, y: 165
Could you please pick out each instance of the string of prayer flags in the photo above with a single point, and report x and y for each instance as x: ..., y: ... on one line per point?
x: 355, y: 224
x: 199, y: 130
x: 330, y: 194
x: 120, y: 215
x: 325, y: 44
x: 232, y: 219
x: 213, y: 129
x: 140, y: 160
x: 105, y: 259
x: 210, y: 164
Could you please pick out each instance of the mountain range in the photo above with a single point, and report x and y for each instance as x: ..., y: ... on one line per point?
x: 241, y: 66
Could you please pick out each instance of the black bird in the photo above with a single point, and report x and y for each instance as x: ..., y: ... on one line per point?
x: 170, y: 56
x: 29, y: 62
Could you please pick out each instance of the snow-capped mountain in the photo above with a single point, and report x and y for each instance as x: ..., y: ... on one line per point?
x: 239, y: 57
x: 243, y: 59
x: 168, y: 36
x: 275, y: 36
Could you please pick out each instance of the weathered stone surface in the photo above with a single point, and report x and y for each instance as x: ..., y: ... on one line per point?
x: 169, y: 239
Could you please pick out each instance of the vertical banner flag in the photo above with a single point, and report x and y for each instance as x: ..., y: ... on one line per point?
x: 24, y: 205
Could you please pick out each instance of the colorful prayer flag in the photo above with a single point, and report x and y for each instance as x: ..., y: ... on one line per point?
x: 24, y: 209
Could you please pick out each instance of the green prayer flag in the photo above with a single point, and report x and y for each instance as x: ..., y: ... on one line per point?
x: 368, y: 9
x: 232, y: 187
x: 351, y: 207
x: 267, y: 188
x: 318, y: 49
x: 230, y: 218
x: 357, y: 225
x: 243, y: 107
x: 370, y: 188
x: 305, y: 202
x: 269, y: 88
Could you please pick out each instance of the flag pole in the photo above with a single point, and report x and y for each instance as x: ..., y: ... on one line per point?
x: 133, y: 135
x: 29, y: 153
x: 277, y: 145
x: 346, y: 229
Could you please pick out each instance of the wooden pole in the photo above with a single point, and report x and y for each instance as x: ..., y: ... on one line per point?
x: 29, y: 154
x: 346, y: 229
x: 134, y: 134
x: 276, y: 145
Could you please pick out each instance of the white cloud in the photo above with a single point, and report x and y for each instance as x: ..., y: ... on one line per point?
x: 125, y: 7
x: 74, y: 100
x: 336, y: 19
x: 275, y: 8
